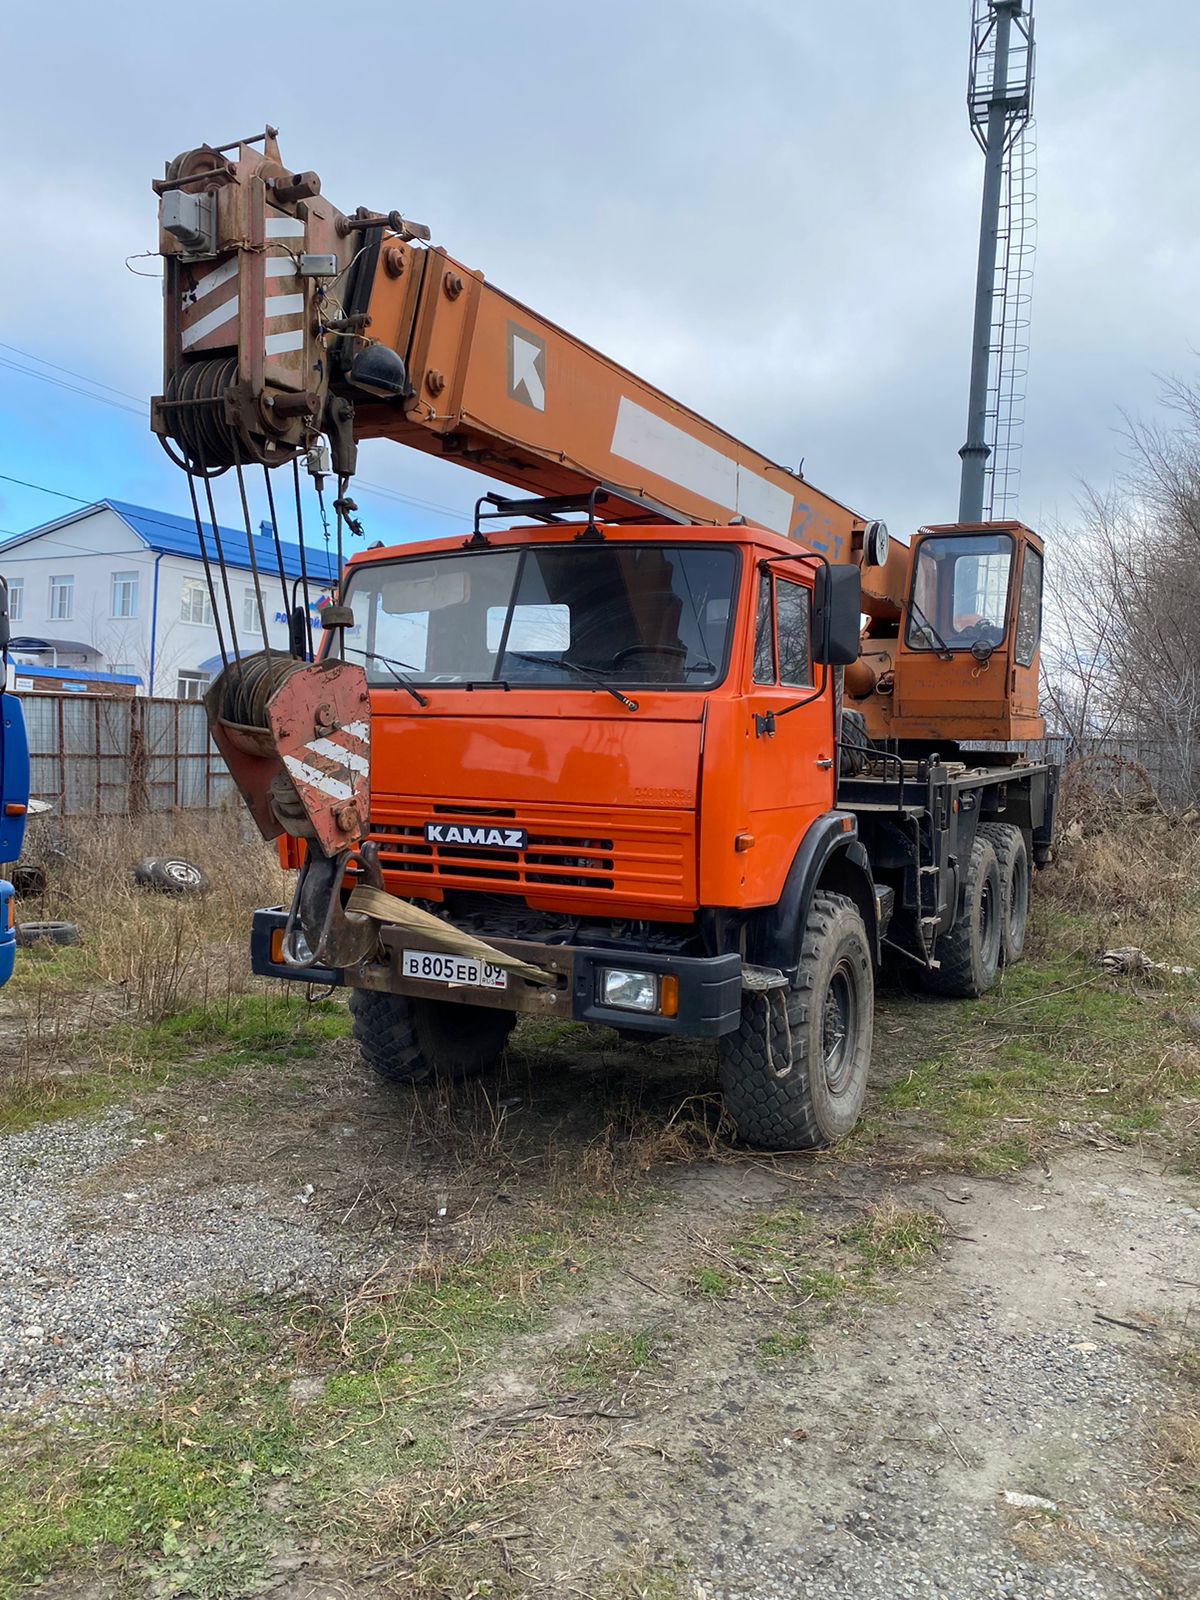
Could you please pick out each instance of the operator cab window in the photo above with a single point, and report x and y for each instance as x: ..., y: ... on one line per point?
x: 782, y: 642
x: 960, y: 591
x: 1029, y: 612
x: 793, y: 605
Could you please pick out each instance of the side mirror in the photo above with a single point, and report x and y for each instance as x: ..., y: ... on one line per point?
x: 5, y: 625
x: 837, y: 610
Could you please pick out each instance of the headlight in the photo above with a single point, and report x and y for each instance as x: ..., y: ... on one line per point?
x: 629, y: 991
x: 302, y: 951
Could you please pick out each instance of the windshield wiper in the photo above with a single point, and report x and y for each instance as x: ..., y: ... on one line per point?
x: 584, y: 672
x: 405, y: 683
x: 944, y: 653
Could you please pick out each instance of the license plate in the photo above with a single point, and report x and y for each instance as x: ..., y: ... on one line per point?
x: 436, y: 968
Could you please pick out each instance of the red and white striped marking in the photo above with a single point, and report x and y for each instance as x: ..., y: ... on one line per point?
x: 333, y: 762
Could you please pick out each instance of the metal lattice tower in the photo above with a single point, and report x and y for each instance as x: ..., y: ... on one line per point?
x: 1000, y: 105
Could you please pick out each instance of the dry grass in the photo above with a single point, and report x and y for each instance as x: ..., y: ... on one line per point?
x: 165, y: 951
x: 1129, y: 877
x: 142, y: 957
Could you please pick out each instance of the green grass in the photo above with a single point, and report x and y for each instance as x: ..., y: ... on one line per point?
x: 1058, y: 1042
x: 600, y: 1360
x: 179, y: 1489
x: 274, y: 1029
x: 710, y: 1283
x: 783, y: 1344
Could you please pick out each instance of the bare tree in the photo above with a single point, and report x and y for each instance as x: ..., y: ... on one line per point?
x: 1122, y: 651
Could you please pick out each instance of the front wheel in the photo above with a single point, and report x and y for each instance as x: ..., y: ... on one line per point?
x: 425, y: 1041
x: 794, y: 1074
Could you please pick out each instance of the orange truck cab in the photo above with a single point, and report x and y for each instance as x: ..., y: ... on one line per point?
x: 612, y: 752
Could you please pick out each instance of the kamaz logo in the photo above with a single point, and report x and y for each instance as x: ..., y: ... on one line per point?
x: 482, y: 838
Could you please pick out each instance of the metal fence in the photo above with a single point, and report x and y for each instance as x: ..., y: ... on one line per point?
x: 95, y: 755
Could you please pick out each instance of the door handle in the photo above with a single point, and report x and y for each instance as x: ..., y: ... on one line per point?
x: 825, y: 762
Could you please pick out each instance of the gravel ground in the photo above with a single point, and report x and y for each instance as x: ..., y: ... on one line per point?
x: 93, y: 1286
x: 995, y: 1377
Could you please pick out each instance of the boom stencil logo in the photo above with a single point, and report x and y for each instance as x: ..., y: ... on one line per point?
x: 526, y: 367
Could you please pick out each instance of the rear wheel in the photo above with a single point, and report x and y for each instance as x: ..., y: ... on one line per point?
x: 969, y: 953
x: 426, y: 1041
x: 1012, y: 854
x: 794, y: 1074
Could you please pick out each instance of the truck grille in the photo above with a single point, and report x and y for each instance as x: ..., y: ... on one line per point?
x: 650, y: 859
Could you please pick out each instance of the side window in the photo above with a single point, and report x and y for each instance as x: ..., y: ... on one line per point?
x: 1029, y: 616
x: 764, y: 633
x: 792, y: 606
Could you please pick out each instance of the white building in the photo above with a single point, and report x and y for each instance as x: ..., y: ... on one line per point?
x: 121, y: 589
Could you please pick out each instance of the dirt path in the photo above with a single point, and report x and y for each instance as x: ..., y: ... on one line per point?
x: 878, y: 1463
x: 836, y: 1438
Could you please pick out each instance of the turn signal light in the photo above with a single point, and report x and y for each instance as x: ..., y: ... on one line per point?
x: 668, y: 995
x: 277, y: 946
x: 14, y: 808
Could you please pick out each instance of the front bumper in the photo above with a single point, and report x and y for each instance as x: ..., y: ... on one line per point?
x: 710, y: 987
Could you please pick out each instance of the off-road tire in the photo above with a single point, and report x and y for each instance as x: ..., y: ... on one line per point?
x: 170, y: 875
x: 787, y: 1083
x: 60, y: 933
x: 1015, y: 881
x: 969, y: 953
x: 854, y: 753
x: 427, y: 1041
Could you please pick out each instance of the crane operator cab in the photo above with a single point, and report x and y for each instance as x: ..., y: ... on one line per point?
x: 966, y: 662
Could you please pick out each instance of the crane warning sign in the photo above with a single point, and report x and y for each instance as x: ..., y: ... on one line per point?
x: 526, y: 367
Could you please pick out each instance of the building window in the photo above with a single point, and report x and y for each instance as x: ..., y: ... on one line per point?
x: 191, y: 685
x: 16, y: 599
x: 124, y: 594
x: 250, y: 621
x: 122, y: 669
x: 195, y: 605
x: 62, y: 598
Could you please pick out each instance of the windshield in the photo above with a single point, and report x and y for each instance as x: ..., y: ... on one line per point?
x: 547, y: 616
x: 960, y: 591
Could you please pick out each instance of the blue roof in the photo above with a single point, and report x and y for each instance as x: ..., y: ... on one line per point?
x: 176, y: 536
x: 169, y: 535
x: 22, y: 671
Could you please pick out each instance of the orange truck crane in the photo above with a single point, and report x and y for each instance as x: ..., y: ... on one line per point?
x: 685, y: 751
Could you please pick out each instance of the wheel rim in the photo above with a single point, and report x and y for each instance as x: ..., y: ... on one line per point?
x: 182, y: 873
x: 839, y: 1027
x: 989, y: 927
x: 1018, y: 904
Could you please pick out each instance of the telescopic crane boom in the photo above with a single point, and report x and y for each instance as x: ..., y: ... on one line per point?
x: 287, y: 320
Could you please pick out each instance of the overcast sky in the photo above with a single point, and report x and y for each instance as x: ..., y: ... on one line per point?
x: 769, y: 208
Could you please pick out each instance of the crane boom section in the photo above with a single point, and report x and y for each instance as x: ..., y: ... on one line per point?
x: 501, y: 388
x: 287, y: 319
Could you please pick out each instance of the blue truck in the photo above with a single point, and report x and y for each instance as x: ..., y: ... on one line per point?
x: 14, y: 790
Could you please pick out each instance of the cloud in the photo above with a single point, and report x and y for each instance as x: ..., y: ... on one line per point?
x: 768, y: 209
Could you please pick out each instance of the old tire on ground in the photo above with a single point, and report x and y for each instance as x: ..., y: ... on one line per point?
x: 60, y: 933
x: 170, y: 875
x: 794, y: 1074
x: 427, y: 1041
x: 969, y: 953
x: 1012, y: 854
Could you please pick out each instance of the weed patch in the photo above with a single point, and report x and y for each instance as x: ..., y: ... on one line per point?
x: 183, y: 1488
